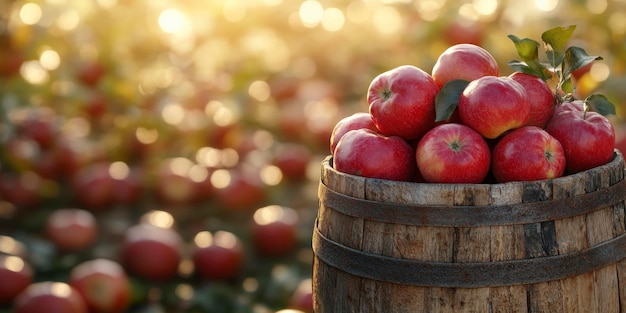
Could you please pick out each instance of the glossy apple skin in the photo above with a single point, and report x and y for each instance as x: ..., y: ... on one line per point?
x: 527, y: 153
x: 71, y: 229
x: 540, y: 97
x: 365, y: 153
x: 103, y: 284
x: 15, y: 275
x: 402, y: 102
x: 49, y: 297
x: 493, y: 105
x: 453, y: 153
x: 221, y: 258
x: 151, y: 252
x: 355, y: 121
x: 464, y: 61
x: 587, y: 139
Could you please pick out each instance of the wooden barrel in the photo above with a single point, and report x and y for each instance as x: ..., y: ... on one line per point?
x: 554, y: 245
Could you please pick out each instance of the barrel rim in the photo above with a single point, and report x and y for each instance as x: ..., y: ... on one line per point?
x: 536, y: 210
x: 328, y: 161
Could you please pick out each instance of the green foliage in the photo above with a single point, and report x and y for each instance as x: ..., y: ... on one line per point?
x: 562, y: 61
x: 448, y: 98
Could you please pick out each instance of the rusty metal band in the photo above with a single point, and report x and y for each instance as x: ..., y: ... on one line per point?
x: 467, y: 275
x: 472, y: 216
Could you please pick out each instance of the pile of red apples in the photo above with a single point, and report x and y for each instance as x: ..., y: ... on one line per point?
x: 464, y: 122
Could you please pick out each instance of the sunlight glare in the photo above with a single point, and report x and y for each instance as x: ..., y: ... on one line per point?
x: 429, y: 10
x: 203, y: 239
x: 69, y: 20
x: 61, y: 290
x: 546, y: 5
x: 34, y: 73
x: 387, y: 20
x: 333, y: 19
x: 158, y: 218
x: 173, y: 113
x: 485, y: 7
x: 597, y: 6
x: 259, y: 90
x: 146, y: 136
x: 13, y: 263
x: 30, y: 13
x: 119, y: 170
x: 50, y: 60
x: 311, y: 13
x: 234, y: 10
x: 198, y: 173
x: 271, y: 175
x: 172, y: 21
x: 220, y: 179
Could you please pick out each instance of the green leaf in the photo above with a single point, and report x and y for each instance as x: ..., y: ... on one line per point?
x: 555, y: 40
x: 527, y: 49
x: 567, y: 86
x: 447, y: 99
x: 576, y: 57
x: 600, y: 103
x: 532, y: 68
x: 520, y: 66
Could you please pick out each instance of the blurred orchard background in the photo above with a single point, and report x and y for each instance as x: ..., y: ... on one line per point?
x: 193, y: 115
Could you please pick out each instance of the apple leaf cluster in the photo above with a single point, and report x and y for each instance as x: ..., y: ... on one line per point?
x: 561, y: 61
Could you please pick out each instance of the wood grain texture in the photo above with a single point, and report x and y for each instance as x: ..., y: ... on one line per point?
x: 598, y: 290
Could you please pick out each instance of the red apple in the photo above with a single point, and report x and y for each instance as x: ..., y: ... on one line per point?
x: 51, y: 297
x: 15, y: 275
x: 71, y: 229
x: 103, y: 284
x: 493, y: 105
x: 527, y: 153
x: 459, y: 31
x: 41, y: 125
x: 540, y: 97
x: 620, y: 137
x: 218, y: 256
x: 94, y: 186
x: 128, y: 183
x: 90, y: 73
x: 238, y: 189
x: 366, y: 153
x: 464, y: 61
x: 274, y: 230
x: 402, y: 102
x: 355, y: 121
x: 453, y: 153
x: 293, y: 160
x: 11, y: 61
x: 151, y: 252
x: 588, y: 138
x: 23, y: 190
